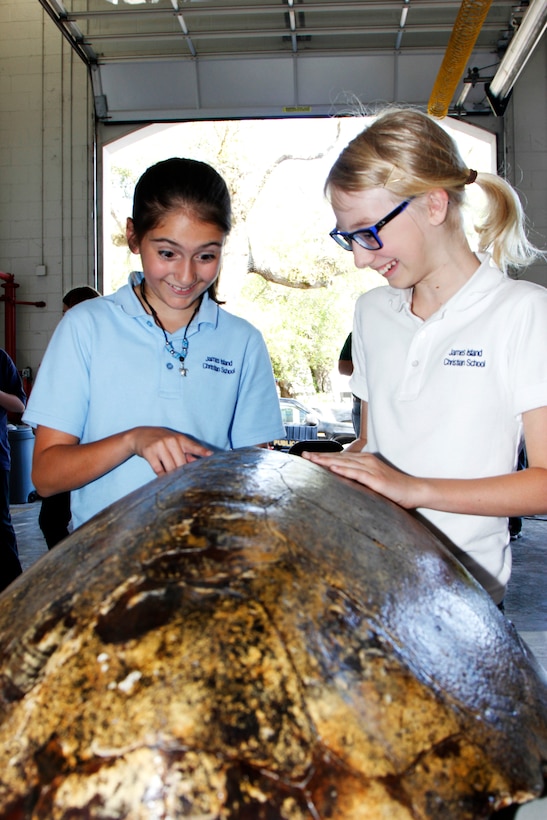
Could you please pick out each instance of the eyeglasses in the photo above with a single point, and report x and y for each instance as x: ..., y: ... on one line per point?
x: 368, y: 237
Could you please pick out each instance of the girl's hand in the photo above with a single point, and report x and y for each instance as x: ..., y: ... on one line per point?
x: 518, y: 493
x: 166, y: 449
x: 373, y: 473
x: 60, y: 463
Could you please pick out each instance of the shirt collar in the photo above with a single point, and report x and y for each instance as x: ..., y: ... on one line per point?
x: 484, y: 280
x: 131, y: 304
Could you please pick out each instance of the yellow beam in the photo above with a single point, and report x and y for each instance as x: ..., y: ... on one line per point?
x: 471, y: 16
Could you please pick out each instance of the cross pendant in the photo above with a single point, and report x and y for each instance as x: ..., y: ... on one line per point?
x: 182, y: 370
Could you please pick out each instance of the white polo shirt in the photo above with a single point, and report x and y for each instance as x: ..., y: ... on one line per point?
x: 107, y: 369
x: 446, y: 395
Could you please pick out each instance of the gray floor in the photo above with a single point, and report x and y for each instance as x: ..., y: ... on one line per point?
x: 525, y: 604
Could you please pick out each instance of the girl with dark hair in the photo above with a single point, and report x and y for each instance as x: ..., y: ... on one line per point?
x: 136, y: 384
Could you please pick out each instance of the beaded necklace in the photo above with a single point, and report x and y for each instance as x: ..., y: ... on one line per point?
x: 168, y: 343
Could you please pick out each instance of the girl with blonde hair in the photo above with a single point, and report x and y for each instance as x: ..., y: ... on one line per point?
x: 449, y: 358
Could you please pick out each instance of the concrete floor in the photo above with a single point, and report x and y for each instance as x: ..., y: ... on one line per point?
x: 525, y: 604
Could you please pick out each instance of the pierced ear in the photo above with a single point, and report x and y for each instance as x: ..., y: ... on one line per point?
x: 132, y: 240
x: 437, y: 205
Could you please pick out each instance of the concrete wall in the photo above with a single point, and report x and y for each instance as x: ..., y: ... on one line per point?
x: 525, y: 135
x: 46, y: 172
x: 47, y: 186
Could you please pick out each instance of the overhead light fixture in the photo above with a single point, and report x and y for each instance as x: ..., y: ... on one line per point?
x: 463, y: 96
x: 184, y: 28
x: 472, y: 78
x: 402, y: 23
x: 520, y: 48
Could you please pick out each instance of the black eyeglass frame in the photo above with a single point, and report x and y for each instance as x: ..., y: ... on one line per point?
x: 346, y: 238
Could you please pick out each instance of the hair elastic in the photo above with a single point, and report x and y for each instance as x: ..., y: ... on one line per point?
x: 471, y: 178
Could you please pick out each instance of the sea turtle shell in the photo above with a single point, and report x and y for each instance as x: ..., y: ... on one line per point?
x: 253, y: 637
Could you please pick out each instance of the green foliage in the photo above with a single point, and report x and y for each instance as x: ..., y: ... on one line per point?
x: 304, y: 329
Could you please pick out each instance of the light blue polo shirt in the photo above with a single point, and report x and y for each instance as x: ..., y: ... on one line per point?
x: 107, y: 370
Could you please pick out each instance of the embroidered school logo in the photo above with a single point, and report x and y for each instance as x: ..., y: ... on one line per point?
x: 465, y: 357
x: 219, y: 365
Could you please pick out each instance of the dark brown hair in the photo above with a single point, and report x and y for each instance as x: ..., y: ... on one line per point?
x: 79, y: 294
x: 181, y: 183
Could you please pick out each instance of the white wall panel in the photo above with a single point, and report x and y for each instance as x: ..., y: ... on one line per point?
x: 335, y: 80
x: 261, y: 86
x: 247, y: 82
x: 416, y: 74
x: 149, y: 86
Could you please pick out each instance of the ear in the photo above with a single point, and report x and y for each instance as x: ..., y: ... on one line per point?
x: 437, y: 205
x: 131, y: 237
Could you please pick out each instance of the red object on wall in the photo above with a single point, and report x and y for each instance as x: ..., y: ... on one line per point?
x: 10, y: 287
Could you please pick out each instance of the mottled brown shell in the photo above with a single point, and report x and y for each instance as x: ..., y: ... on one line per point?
x: 252, y: 637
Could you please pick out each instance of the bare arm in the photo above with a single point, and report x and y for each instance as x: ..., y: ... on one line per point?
x: 11, y: 402
x: 357, y: 445
x: 61, y: 463
x: 519, y: 493
x: 345, y: 367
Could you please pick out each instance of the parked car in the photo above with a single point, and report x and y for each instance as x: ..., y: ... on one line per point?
x: 293, y: 412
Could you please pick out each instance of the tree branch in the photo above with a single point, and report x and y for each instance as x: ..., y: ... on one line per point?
x: 324, y: 281
x: 279, y: 279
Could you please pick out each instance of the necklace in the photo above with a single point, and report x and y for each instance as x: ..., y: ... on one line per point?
x: 168, y: 343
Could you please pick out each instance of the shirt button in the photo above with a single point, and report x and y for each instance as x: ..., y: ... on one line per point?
x: 415, y: 363
x: 169, y: 365
x: 149, y: 323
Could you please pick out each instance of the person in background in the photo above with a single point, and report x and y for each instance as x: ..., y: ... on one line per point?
x: 345, y: 368
x: 54, y: 517
x: 515, y: 522
x: 449, y: 358
x: 138, y: 383
x: 79, y: 294
x: 12, y: 400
